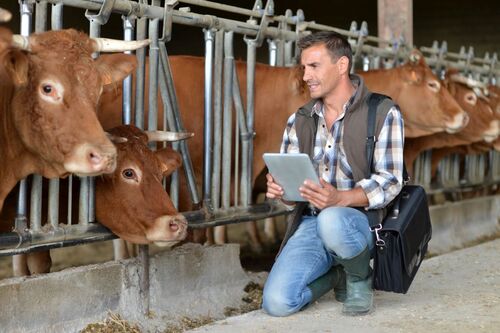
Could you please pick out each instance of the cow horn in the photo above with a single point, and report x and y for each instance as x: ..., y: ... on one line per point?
x: 167, y: 136
x: 5, y: 15
x: 414, y: 57
x: 115, y: 45
x: 21, y: 42
x: 471, y: 83
x: 116, y: 139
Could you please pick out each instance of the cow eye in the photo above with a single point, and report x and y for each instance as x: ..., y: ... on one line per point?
x: 434, y: 85
x: 128, y: 173
x: 47, y: 89
x: 471, y: 98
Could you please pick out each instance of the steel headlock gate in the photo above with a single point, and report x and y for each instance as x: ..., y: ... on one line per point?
x: 155, y: 20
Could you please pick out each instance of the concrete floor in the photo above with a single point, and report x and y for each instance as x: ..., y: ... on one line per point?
x: 457, y: 292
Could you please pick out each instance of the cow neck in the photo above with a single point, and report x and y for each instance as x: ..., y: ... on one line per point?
x: 18, y: 162
x: 389, y: 87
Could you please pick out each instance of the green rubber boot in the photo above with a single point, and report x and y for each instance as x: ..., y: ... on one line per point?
x: 359, y: 299
x: 334, y: 278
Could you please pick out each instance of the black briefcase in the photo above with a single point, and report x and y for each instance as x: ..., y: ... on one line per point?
x: 402, y: 242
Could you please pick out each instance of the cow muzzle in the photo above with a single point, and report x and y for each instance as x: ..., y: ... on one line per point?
x: 91, y: 160
x: 167, y: 229
x: 457, y: 123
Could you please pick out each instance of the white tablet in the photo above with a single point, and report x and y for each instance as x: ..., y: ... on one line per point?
x: 290, y: 171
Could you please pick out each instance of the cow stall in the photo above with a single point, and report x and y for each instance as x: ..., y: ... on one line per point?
x: 225, y: 194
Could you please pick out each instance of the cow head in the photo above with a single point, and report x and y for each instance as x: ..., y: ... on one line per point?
x: 132, y: 201
x: 427, y: 106
x: 484, y: 123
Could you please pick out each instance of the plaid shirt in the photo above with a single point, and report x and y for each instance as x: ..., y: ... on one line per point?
x: 331, y: 163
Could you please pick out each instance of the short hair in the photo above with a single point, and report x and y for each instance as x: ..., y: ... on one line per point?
x: 336, y: 44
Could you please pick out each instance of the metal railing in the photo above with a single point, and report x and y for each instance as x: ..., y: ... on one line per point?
x: 140, y: 20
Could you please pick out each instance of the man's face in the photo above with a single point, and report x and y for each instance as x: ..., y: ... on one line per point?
x: 321, y: 74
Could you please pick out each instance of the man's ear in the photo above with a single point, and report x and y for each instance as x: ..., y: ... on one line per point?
x: 343, y: 65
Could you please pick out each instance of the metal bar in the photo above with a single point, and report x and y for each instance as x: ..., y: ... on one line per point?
x: 244, y: 137
x: 186, y: 160
x: 36, y: 203
x: 217, y: 124
x: 53, y: 213
x: 56, y: 21
x: 128, y: 34
x: 41, y: 16
x: 126, y: 7
x: 251, y: 60
x: 140, y: 75
x: 207, y: 21
x: 168, y: 119
x: 16, y: 243
x: 199, y: 219
x: 227, y: 120
x: 273, y: 52
x: 207, y: 133
x: 153, y: 78
x: 144, y: 278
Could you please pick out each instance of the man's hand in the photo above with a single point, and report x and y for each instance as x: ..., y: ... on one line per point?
x: 325, y: 195
x: 274, y: 191
x: 320, y: 196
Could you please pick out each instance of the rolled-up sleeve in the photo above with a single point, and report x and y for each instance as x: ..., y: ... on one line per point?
x: 387, y: 179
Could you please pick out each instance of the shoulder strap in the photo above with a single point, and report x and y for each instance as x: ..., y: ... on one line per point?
x: 373, y: 102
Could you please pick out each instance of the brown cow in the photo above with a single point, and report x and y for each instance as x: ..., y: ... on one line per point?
x: 48, y: 101
x: 483, y: 124
x: 427, y: 107
x: 131, y: 201
x: 277, y: 96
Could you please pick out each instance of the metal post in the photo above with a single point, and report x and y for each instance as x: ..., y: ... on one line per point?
x: 251, y: 55
x: 41, y: 16
x: 22, y: 207
x: 207, y: 133
x: 177, y: 124
x: 273, y: 52
x: 128, y: 34
x: 140, y: 75
x: 217, y: 125
x: 227, y: 120
x: 153, y: 78
x: 56, y: 21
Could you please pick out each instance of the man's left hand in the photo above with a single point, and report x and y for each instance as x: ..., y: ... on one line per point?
x: 321, y: 196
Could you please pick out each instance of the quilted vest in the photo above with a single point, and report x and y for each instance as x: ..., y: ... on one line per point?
x: 354, y: 137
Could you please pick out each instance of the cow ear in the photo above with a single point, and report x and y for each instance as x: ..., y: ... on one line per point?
x: 415, y: 76
x: 14, y: 67
x: 170, y: 160
x: 115, y: 67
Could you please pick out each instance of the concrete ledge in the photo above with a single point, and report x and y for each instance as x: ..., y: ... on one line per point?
x: 191, y: 279
x: 458, y: 224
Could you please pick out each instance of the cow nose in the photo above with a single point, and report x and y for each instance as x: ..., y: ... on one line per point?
x: 102, y: 159
x: 457, y: 122
x: 91, y: 160
x: 167, y: 228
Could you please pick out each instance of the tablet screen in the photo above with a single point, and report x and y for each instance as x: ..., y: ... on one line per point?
x: 290, y: 171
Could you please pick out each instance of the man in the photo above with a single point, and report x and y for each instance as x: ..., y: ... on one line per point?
x: 328, y: 240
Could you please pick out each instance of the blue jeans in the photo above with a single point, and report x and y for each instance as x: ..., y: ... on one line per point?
x: 308, y: 254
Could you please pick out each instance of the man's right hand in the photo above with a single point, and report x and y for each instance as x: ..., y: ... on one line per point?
x: 274, y: 191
